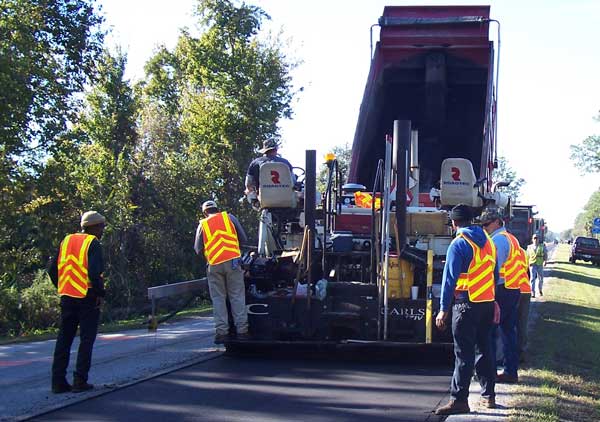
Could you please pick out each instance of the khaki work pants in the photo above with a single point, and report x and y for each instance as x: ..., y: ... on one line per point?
x: 225, y: 281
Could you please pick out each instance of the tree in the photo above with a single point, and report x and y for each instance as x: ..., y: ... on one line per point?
x: 586, y: 156
x: 47, y: 53
x: 219, y: 96
x: 506, y: 174
x: 583, y: 222
x: 343, y: 153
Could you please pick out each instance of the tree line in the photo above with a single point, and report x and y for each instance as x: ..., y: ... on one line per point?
x: 586, y: 157
x: 76, y: 135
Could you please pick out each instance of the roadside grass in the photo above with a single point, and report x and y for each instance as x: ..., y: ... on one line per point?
x: 561, y: 381
x: 203, y: 308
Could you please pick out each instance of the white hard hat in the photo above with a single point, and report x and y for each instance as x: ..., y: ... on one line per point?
x: 209, y: 204
x: 92, y: 218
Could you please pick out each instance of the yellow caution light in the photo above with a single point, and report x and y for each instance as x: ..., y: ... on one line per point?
x: 329, y: 157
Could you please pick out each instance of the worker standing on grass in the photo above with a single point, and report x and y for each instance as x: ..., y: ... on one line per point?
x: 469, y: 279
x: 524, y: 302
x: 77, y: 272
x: 507, y: 292
x: 538, y: 255
x: 219, y: 235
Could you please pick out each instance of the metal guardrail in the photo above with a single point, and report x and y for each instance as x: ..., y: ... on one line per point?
x: 173, y: 289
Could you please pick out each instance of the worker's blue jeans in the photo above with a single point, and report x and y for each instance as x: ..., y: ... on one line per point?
x: 508, y: 300
x: 537, y: 272
x: 471, y: 329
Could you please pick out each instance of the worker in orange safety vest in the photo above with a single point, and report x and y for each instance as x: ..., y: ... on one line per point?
x: 218, y: 236
x: 77, y: 272
x: 507, y: 291
x: 524, y: 302
x: 468, y: 284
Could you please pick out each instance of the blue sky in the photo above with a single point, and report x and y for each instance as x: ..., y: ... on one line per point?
x: 549, y: 79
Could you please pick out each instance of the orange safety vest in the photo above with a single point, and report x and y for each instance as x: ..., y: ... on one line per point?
x: 73, y: 277
x: 524, y: 284
x: 365, y: 200
x: 512, y: 267
x: 479, y: 281
x: 220, y: 239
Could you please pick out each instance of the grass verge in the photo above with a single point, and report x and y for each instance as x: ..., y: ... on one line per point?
x: 561, y: 381
x: 204, y: 308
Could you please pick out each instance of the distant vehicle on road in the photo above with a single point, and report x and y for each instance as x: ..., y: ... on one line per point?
x: 585, y: 249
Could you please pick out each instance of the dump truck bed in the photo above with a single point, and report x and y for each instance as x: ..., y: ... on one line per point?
x: 434, y: 67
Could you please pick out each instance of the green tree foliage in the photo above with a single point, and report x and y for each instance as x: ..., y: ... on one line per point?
x: 218, y: 95
x: 586, y: 156
x: 47, y: 54
x: 145, y: 156
x: 583, y: 222
x: 505, y: 173
x: 47, y: 51
x: 343, y: 153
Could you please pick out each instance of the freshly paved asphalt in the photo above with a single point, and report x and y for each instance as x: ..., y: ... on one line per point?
x: 270, y: 389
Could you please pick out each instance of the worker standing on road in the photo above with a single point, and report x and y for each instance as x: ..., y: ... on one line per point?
x: 269, y: 151
x: 468, y: 280
x: 219, y: 235
x: 77, y: 272
x: 524, y: 302
x: 538, y: 255
x: 507, y: 292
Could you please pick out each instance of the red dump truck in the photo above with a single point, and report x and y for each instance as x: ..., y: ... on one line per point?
x: 341, y: 273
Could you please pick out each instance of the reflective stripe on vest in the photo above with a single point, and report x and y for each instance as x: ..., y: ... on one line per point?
x: 220, y: 239
x: 478, y: 281
x: 73, y: 277
x: 524, y: 283
x: 512, y: 267
x: 365, y: 200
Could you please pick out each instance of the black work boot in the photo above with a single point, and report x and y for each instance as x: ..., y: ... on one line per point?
x: 61, y: 387
x: 79, y: 385
x: 453, y: 407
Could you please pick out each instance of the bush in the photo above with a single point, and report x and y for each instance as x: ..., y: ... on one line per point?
x: 9, y: 312
x: 40, y: 305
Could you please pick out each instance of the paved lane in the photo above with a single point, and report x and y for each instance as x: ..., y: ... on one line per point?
x: 118, y: 359
x: 265, y: 389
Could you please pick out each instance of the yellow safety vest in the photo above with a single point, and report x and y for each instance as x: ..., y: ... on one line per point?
x: 73, y: 277
x: 479, y: 281
x: 511, y: 269
x: 524, y: 284
x: 220, y: 239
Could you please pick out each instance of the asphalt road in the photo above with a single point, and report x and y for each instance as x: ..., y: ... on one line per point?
x: 118, y: 360
x: 266, y: 389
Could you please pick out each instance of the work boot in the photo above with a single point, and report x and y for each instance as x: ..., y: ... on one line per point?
x: 61, y: 387
x: 453, y: 407
x: 504, y: 378
x: 221, y: 338
x: 79, y: 386
x: 243, y: 336
x: 487, y: 402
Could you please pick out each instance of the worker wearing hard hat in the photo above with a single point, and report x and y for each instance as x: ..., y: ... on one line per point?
x: 269, y: 151
x: 468, y: 287
x: 219, y: 236
x: 508, y: 291
x: 538, y: 255
x: 77, y: 272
